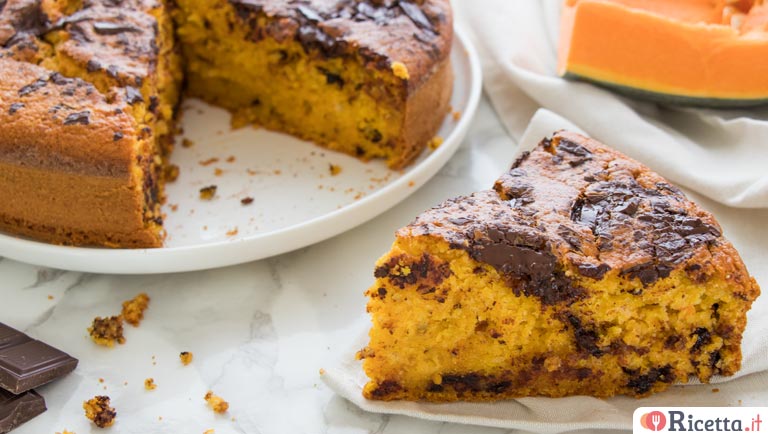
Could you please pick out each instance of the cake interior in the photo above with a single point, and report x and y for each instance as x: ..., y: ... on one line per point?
x: 448, y: 327
x: 340, y: 102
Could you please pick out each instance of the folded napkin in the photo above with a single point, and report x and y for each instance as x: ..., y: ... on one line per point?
x: 749, y: 387
x: 722, y: 154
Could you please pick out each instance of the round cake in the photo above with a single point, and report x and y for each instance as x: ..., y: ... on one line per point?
x: 90, y: 91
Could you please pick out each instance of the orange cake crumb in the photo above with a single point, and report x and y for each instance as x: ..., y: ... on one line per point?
x: 435, y: 143
x: 186, y: 143
x: 209, y: 161
x: 149, y: 384
x: 246, y: 200
x: 335, y: 169
x: 171, y: 172
x: 98, y: 410
x: 216, y: 403
x: 207, y: 193
x: 107, y: 331
x: 185, y: 357
x: 133, y: 310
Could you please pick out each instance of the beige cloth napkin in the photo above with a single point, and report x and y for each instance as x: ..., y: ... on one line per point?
x: 719, y: 157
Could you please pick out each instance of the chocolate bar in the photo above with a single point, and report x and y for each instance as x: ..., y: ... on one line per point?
x: 26, y: 363
x: 17, y: 409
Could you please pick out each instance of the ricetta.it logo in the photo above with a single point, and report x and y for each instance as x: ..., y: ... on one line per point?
x: 654, y: 421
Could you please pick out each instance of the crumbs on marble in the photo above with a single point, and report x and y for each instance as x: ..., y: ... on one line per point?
x: 98, y: 410
x: 230, y: 159
x: 232, y: 232
x: 208, y: 193
x: 186, y: 143
x: 216, y: 403
x: 218, y: 171
x: 209, y: 431
x: 50, y: 297
x: 149, y: 384
x: 456, y: 115
x: 322, y: 371
x: 64, y: 432
x: 715, y: 390
x: 185, y: 357
x: 334, y: 169
x: 133, y: 309
x: 107, y: 331
x: 246, y: 200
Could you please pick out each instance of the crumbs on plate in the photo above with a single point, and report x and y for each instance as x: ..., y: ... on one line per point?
x: 207, y: 193
x: 149, y: 384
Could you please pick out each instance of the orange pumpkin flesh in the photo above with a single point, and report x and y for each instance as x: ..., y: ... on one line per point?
x: 702, y: 52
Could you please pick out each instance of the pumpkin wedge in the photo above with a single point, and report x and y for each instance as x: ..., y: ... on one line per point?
x: 693, y: 52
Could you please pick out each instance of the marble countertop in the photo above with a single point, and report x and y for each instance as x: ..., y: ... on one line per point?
x: 260, y: 332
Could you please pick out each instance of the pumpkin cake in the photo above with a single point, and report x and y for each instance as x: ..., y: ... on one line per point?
x: 90, y: 90
x: 581, y: 272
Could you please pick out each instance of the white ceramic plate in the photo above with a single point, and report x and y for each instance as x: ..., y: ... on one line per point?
x: 296, y: 200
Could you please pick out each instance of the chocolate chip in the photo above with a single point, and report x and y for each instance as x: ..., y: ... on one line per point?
x: 82, y: 118
x: 107, y: 28
x: 92, y: 66
x: 416, y: 15
x: 133, y: 95
x: 117, y: 136
x: 15, y: 107
x: 37, y: 84
x: 309, y: 13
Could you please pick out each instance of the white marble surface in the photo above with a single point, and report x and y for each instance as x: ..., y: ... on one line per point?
x: 260, y: 332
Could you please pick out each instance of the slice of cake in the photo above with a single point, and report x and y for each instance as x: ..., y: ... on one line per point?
x: 371, y: 78
x: 581, y: 273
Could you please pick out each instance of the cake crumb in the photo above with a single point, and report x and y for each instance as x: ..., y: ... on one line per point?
x: 50, y: 297
x: 101, y: 380
x: 456, y: 115
x: 149, y: 384
x: 400, y: 70
x: 107, y: 331
x: 98, y: 410
x: 133, y: 310
x: 322, y: 371
x: 185, y: 357
x: 209, y: 161
x: 209, y: 431
x: 230, y: 159
x: 715, y: 390
x: 65, y: 432
x: 174, y: 207
x: 232, y: 232
x: 435, y: 143
x: 186, y: 143
x: 218, y: 171
x: 335, y: 169
x: 246, y: 200
x: 171, y: 172
x: 411, y: 183
x: 216, y: 403
x: 207, y: 193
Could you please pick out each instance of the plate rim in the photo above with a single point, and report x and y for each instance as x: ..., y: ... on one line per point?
x: 221, y: 253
